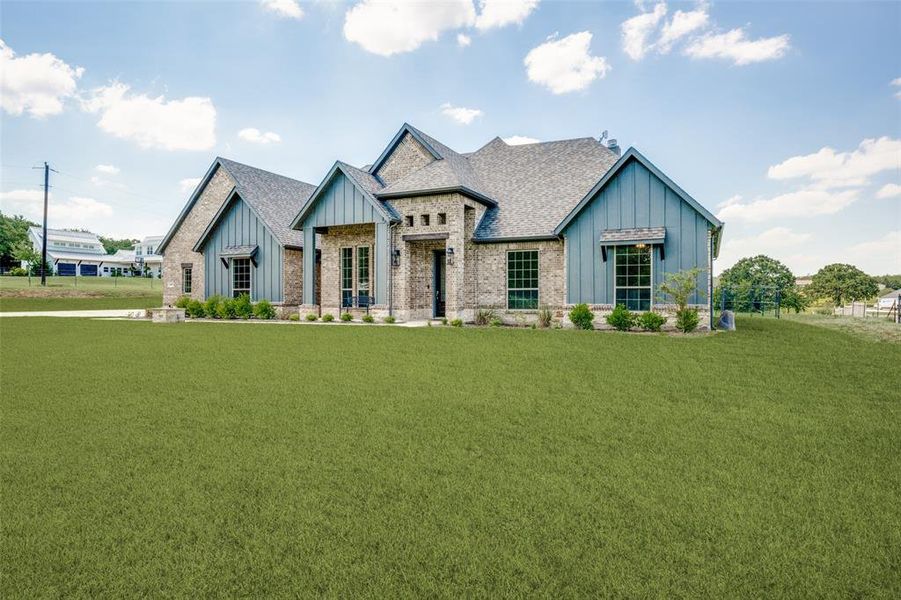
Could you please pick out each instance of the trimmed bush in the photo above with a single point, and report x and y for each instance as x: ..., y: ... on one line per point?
x: 243, y: 307
x: 211, y: 306
x: 650, y: 321
x: 389, y: 319
x: 194, y: 309
x: 226, y: 309
x: 328, y: 317
x: 312, y: 317
x: 621, y: 319
x: 182, y: 302
x: 347, y: 317
x: 368, y: 319
x: 294, y: 317
x: 17, y: 272
x: 264, y: 310
x: 484, y: 316
x: 443, y: 321
x: 456, y: 323
x: 581, y: 316
x: 687, y: 320
x: 545, y: 317
x: 495, y: 322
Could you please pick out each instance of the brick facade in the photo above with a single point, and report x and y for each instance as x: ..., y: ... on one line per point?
x: 350, y: 236
x: 180, y: 251
x: 292, y: 277
x: 409, y: 156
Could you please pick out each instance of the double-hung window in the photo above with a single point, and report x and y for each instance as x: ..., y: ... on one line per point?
x: 522, y: 279
x: 363, y: 271
x: 240, y: 276
x: 633, y: 277
x: 347, y: 276
x: 186, y: 280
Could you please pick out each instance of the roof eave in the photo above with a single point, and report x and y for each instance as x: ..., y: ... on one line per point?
x: 519, y: 238
x: 314, y: 197
x: 460, y: 189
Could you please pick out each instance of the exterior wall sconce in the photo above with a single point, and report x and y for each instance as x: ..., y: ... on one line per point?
x: 450, y: 256
x: 395, y: 258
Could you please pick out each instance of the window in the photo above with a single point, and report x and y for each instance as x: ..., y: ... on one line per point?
x: 106, y: 269
x: 409, y: 220
x: 633, y: 277
x: 424, y: 220
x: 347, y: 276
x: 186, y: 280
x: 522, y: 279
x: 240, y: 276
x: 442, y: 218
x: 363, y: 270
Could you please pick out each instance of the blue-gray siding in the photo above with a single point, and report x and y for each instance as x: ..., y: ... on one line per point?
x: 239, y: 226
x: 635, y: 197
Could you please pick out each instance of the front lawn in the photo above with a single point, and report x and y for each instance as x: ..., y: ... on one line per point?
x: 275, y: 459
x: 81, y: 293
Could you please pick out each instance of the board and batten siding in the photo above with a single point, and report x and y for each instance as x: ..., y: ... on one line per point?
x: 239, y: 226
x: 635, y: 197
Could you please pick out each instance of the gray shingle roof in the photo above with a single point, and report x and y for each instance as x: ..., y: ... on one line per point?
x: 637, y: 234
x: 275, y: 198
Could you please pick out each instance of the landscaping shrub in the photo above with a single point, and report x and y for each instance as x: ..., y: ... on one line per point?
x: 581, y: 316
x: 211, y: 306
x: 495, y: 322
x: 328, y: 317
x: 621, y: 318
x: 194, y: 309
x: 687, y: 320
x: 368, y: 319
x: 443, y: 321
x: 347, y: 317
x: 226, y: 309
x: 545, y: 317
x: 456, y: 323
x: 18, y: 272
x: 312, y: 317
x: 389, y: 319
x: 484, y: 316
x: 243, y: 307
x: 182, y: 302
x: 650, y: 321
x: 294, y: 317
x: 827, y: 309
x: 264, y: 310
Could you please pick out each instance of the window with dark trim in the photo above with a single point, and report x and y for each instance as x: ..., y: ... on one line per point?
x: 424, y: 220
x: 186, y: 280
x: 240, y: 276
x: 633, y: 277
x: 442, y: 218
x: 347, y: 276
x: 409, y: 220
x: 522, y: 279
x: 363, y: 270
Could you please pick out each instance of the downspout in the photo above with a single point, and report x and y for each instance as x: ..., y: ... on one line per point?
x: 391, y: 227
x: 710, y: 237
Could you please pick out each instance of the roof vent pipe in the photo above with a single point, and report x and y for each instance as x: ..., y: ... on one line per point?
x: 613, y: 147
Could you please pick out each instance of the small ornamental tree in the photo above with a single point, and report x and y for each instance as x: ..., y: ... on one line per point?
x: 842, y: 283
x: 680, y: 287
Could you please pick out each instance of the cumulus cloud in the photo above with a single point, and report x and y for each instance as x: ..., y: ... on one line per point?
x: 778, y: 242
x: 35, y: 83
x: 828, y: 168
x: 682, y: 24
x: 393, y: 27
x: 187, y: 124
x: 882, y: 255
x: 254, y: 135
x: 637, y: 30
x: 565, y: 65
x: 188, y: 185
x: 460, y: 114
x: 288, y: 9
x: 75, y: 211
x: 107, y: 169
x: 735, y: 46
x: 897, y: 84
x: 463, y: 40
x: 500, y: 13
x: 799, y: 203
x: 889, y: 190
x: 520, y: 140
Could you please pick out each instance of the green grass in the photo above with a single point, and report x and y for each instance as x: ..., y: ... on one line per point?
x: 284, y: 459
x: 83, y: 293
x: 873, y: 328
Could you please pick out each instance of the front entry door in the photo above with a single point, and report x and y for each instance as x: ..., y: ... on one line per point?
x: 439, y: 299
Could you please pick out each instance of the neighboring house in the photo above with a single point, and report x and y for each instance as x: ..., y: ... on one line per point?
x: 120, y: 264
x: 427, y: 232
x: 803, y: 280
x: 889, y: 299
x: 147, y: 259
x: 70, y: 252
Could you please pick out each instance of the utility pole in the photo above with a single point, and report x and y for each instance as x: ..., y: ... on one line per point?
x: 44, y: 236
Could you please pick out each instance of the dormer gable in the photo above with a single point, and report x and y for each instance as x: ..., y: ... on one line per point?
x: 408, y: 151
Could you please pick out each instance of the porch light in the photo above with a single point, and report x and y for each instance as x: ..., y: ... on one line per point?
x: 641, y: 245
x: 450, y: 256
x: 395, y: 258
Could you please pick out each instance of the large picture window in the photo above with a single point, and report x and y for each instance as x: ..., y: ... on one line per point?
x: 186, y: 280
x: 633, y: 277
x: 522, y: 279
x: 347, y: 276
x: 240, y: 276
x: 363, y: 271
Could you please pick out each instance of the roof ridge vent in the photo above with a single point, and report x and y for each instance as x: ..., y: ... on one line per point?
x: 613, y: 146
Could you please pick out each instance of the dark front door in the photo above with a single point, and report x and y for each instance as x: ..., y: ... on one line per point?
x: 439, y: 300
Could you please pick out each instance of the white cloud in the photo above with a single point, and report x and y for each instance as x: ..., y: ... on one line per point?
x: 828, y: 168
x: 35, y: 83
x: 188, y: 185
x: 734, y: 46
x: 638, y: 29
x: 889, y: 190
x: 897, y: 83
x: 460, y: 114
x: 463, y: 40
x: 565, y: 65
x: 520, y: 140
x: 187, y: 124
x: 800, y: 203
x: 76, y: 211
x: 254, y: 135
x: 682, y: 24
x: 777, y: 242
x: 393, y: 27
x: 882, y: 255
x: 107, y: 169
x: 500, y: 13
x: 288, y: 9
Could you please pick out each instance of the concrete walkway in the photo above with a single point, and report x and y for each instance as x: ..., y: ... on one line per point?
x: 130, y: 313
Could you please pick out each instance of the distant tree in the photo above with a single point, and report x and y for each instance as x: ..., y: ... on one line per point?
x: 892, y: 282
x: 13, y: 232
x: 842, y: 283
x: 760, y: 279
x: 111, y: 245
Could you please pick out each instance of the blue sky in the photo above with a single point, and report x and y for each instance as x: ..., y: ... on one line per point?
x: 782, y: 118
